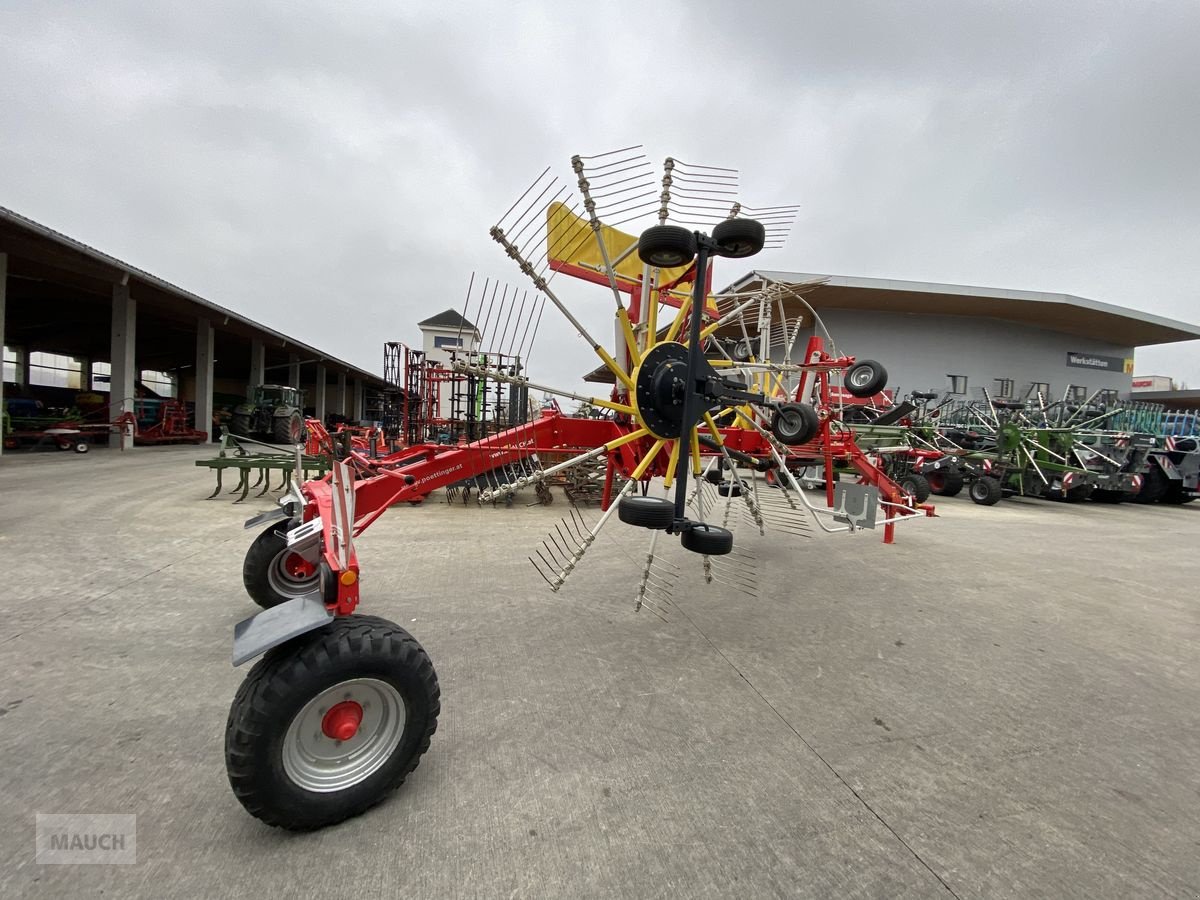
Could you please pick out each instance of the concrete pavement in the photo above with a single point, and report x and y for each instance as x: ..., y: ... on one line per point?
x: 1002, y: 704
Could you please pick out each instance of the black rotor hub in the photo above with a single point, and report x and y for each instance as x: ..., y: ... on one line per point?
x: 661, y: 387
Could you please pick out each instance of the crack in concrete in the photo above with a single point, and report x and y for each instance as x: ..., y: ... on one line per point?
x: 836, y: 774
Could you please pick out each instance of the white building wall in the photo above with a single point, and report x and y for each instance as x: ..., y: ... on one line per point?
x: 451, y: 339
x: 919, y: 352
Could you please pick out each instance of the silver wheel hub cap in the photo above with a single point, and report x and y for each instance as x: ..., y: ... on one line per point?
x: 316, y: 761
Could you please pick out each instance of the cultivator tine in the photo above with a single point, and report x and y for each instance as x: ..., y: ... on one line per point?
x: 244, y: 483
x: 217, y: 489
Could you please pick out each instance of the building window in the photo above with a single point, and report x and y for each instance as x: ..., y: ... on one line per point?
x: 1078, y: 393
x: 1107, y: 397
x: 441, y: 342
x: 12, y: 366
x: 1004, y: 388
x: 54, y: 370
x: 162, y: 383
x: 101, y: 376
x: 1039, y: 388
x: 958, y: 384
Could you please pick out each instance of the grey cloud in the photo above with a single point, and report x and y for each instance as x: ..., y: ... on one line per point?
x: 333, y: 169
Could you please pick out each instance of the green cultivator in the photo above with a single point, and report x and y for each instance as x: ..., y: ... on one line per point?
x: 248, y: 458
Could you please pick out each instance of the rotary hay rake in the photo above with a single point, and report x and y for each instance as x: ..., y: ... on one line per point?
x: 710, y: 415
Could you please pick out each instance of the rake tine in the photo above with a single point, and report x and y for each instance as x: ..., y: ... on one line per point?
x: 217, y: 489
x: 538, y: 569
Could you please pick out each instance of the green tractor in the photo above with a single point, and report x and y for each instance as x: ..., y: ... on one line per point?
x: 274, y: 414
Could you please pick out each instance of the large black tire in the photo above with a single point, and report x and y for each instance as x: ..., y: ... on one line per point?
x: 739, y: 238
x: 1079, y: 493
x: 239, y: 425
x: 1154, y: 486
x: 743, y: 351
x: 946, y: 484
x: 284, y: 765
x: 1101, y: 495
x: 795, y: 423
x: 865, y: 378
x: 666, y: 246
x: 986, y: 490
x: 730, y: 489
x: 914, y: 484
x: 710, y: 540
x: 271, y: 574
x: 1175, y: 494
x: 288, y: 429
x: 646, y: 512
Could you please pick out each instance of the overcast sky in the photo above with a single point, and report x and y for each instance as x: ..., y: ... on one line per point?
x: 332, y: 169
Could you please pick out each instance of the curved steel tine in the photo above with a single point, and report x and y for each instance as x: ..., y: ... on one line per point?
x: 217, y: 489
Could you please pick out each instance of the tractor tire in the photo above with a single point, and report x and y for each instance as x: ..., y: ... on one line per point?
x: 739, y: 238
x: 795, y: 423
x: 1175, y: 495
x: 667, y: 246
x: 646, y: 512
x: 730, y: 489
x: 240, y: 426
x: 273, y: 575
x: 865, y: 378
x: 1100, y: 495
x: 916, y: 485
x: 710, y: 540
x: 329, y: 724
x: 288, y: 429
x: 1154, y: 487
x: 986, y: 490
x: 945, y: 484
x: 1079, y: 493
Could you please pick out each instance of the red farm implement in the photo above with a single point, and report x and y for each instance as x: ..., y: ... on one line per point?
x: 711, y: 414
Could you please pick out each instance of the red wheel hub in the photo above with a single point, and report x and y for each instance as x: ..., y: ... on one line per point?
x: 298, y: 567
x: 342, y: 721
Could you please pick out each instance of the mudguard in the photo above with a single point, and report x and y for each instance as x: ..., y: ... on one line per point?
x: 256, y: 635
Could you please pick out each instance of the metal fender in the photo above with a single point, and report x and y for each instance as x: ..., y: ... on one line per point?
x: 256, y: 635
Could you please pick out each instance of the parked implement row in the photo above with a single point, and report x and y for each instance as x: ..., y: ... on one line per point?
x: 1111, y: 453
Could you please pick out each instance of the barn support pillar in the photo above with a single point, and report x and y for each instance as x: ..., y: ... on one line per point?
x: 258, y: 366
x: 319, y: 394
x: 204, y: 376
x: 121, y: 358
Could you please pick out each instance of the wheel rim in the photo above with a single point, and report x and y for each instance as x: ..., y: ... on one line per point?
x: 790, y: 423
x: 343, y: 735
x: 860, y: 378
x: 291, y: 575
